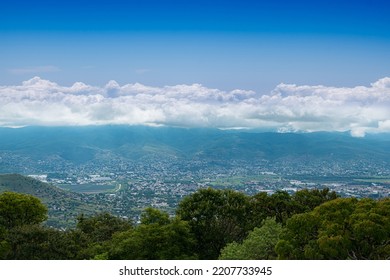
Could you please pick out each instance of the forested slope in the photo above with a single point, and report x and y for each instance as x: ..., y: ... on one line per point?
x: 63, y: 206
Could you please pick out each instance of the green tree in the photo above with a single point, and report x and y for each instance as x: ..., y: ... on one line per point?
x: 156, y: 238
x: 367, y: 230
x: 4, y: 245
x: 306, y: 200
x: 97, y: 232
x: 344, y: 228
x: 300, y: 231
x: 17, y: 211
x: 216, y: 217
x: 36, y: 242
x: 152, y: 216
x: 260, y: 205
x: 101, y: 227
x: 20, y: 209
x: 281, y: 205
x: 259, y: 245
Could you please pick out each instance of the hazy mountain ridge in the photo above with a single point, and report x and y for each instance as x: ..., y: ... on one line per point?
x: 83, y: 144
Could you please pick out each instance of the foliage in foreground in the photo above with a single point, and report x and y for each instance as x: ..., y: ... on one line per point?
x: 209, y: 224
x: 345, y: 228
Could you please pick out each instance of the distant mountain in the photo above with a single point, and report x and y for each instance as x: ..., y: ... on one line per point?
x: 83, y: 144
x: 73, y: 153
x: 63, y: 206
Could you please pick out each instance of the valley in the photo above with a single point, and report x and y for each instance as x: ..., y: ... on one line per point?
x: 124, y: 169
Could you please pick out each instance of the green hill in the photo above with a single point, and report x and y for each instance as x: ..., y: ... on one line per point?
x: 79, y: 145
x: 63, y: 206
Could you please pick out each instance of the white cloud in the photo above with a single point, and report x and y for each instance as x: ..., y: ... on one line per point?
x: 382, y: 83
x: 359, y: 109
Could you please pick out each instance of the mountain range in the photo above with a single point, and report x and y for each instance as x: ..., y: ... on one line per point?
x: 80, y: 144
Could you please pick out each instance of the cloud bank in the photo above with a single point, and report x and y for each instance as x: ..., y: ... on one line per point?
x: 287, y: 108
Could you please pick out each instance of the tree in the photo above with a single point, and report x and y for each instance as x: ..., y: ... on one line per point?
x: 216, y: 217
x: 17, y: 211
x: 20, y: 209
x: 344, y: 228
x: 23, y: 237
x: 306, y: 200
x: 260, y: 205
x: 281, y: 205
x: 4, y: 245
x: 36, y: 242
x: 156, y: 238
x: 367, y: 230
x: 97, y: 232
x: 300, y: 231
x: 259, y: 245
x: 101, y: 227
x: 152, y: 216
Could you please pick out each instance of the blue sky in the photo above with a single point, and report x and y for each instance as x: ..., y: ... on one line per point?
x: 222, y: 45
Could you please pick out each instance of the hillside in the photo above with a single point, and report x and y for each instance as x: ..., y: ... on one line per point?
x: 63, y: 206
x: 78, y: 145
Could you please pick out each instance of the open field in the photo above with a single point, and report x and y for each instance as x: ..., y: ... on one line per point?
x: 88, y: 188
x: 375, y: 180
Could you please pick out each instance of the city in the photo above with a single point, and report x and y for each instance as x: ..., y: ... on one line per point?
x: 127, y: 187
